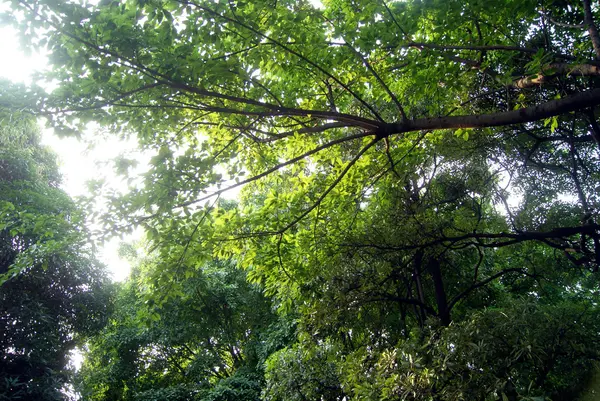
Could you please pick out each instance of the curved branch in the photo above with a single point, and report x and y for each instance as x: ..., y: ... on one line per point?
x: 332, y: 186
x: 463, y: 294
x: 289, y: 50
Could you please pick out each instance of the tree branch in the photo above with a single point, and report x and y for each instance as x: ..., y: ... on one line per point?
x: 380, y: 80
x: 463, y: 294
x: 558, y: 23
x: 433, y: 46
x: 554, y: 69
x: 289, y: 50
x: 506, y: 238
x: 332, y: 186
x: 588, y: 20
x: 552, y: 108
x: 272, y: 170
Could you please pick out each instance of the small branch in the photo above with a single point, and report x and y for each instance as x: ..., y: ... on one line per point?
x: 594, y: 125
x: 478, y: 265
x: 275, y: 109
x: 332, y: 186
x: 279, y: 240
x: 276, y: 136
x: 289, y: 50
x: 575, y: 175
x: 504, y: 239
x: 395, y: 20
x: 266, y: 172
x: 225, y: 56
x: 433, y: 46
x: 407, y: 301
x: 548, y: 17
x: 391, y: 159
x: 463, y: 294
x: 385, y: 87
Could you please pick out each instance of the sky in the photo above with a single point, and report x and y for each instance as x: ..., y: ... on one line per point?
x: 78, y: 162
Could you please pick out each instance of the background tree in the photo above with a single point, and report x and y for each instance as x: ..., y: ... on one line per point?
x: 208, y: 343
x: 53, y: 293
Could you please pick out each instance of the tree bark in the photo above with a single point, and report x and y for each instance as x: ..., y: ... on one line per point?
x: 417, y: 278
x: 554, y: 69
x: 440, y: 292
x: 588, y: 20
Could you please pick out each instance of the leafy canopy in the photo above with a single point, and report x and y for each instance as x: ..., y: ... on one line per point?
x: 408, y: 170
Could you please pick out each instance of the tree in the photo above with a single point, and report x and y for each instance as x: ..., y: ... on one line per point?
x: 402, y: 163
x: 53, y: 293
x: 208, y: 343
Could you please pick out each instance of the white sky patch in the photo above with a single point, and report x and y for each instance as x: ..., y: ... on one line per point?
x: 77, y: 163
x: 317, y: 4
x: 81, y: 161
x: 16, y: 66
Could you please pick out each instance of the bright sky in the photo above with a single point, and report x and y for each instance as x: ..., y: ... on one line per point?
x: 78, y: 164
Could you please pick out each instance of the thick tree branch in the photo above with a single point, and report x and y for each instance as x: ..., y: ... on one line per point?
x: 588, y: 20
x: 555, y: 69
x: 552, y: 108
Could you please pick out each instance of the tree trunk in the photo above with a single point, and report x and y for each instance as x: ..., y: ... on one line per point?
x: 440, y: 293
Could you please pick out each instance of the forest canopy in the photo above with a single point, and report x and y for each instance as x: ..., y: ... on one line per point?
x: 418, y: 193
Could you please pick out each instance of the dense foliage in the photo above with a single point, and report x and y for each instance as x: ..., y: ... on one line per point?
x: 209, y: 343
x: 53, y: 293
x: 419, y: 187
